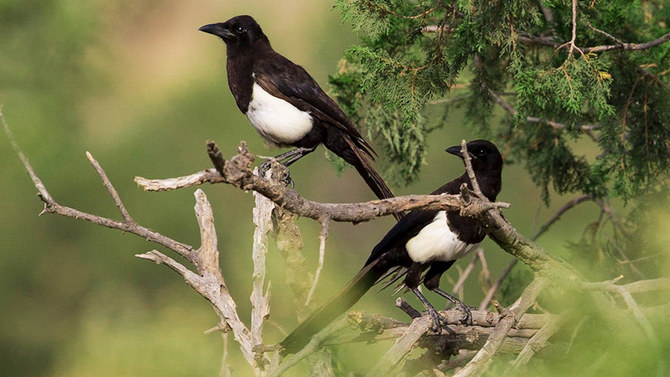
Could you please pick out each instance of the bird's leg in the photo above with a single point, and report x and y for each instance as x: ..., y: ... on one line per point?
x: 439, y: 322
x: 467, y: 315
x: 292, y: 156
x: 286, y: 159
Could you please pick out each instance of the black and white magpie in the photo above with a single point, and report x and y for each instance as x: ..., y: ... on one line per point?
x: 422, y: 240
x: 285, y: 104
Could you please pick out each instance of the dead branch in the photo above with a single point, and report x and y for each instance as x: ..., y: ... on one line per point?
x: 260, y: 302
x: 237, y: 172
x: 510, y: 316
x: 322, y: 253
x: 208, y: 281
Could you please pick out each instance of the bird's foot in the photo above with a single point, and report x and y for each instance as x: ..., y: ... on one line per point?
x: 285, y: 177
x: 264, y: 167
x: 467, y: 314
x: 466, y: 319
x: 439, y: 322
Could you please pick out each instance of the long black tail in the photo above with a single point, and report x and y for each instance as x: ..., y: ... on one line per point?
x: 361, y: 159
x: 321, y: 317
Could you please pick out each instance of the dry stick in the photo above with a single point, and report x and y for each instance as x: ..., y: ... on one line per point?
x: 322, y: 253
x: 629, y: 46
x: 481, y: 361
x: 572, y: 41
x: 225, y: 370
x: 260, y: 302
x: 485, y: 267
x: 110, y: 188
x: 638, y: 315
x: 44, y: 194
x: 606, y: 34
x: 468, y: 168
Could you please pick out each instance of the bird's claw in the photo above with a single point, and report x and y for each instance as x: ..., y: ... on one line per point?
x: 286, y: 174
x: 439, y: 322
x: 264, y: 167
x: 466, y: 319
x: 286, y: 179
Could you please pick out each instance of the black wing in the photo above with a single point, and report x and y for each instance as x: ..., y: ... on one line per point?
x: 408, y: 227
x: 286, y: 80
x: 413, y: 222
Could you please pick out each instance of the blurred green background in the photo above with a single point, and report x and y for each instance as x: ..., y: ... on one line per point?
x: 138, y: 86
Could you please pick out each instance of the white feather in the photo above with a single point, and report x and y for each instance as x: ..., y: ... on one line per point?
x: 278, y: 121
x: 437, y: 242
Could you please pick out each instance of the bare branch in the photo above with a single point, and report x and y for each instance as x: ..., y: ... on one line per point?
x: 548, y: 42
x: 468, y: 168
x: 629, y: 46
x: 195, y: 179
x: 481, y: 361
x: 238, y: 173
x: 260, y: 302
x: 322, y: 253
x: 43, y: 193
x: 156, y: 256
x: 403, y: 305
x: 110, y: 188
x: 225, y: 370
x: 606, y: 34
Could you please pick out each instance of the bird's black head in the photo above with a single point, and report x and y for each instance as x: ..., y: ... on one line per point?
x: 238, y: 32
x: 484, y: 155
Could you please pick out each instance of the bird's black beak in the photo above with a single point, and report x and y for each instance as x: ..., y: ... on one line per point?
x: 455, y: 150
x: 220, y: 30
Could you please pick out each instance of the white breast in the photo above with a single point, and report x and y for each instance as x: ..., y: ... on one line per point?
x: 437, y: 242
x: 278, y: 121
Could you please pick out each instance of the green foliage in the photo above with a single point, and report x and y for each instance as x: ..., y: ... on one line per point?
x: 413, y: 53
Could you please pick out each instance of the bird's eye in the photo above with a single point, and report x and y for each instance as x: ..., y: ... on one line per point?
x: 240, y: 29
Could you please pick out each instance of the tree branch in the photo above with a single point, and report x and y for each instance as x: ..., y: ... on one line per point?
x: 260, y: 301
x: 510, y: 316
x: 237, y: 172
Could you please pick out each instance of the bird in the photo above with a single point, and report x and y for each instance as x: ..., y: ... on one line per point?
x: 285, y: 105
x: 427, y: 241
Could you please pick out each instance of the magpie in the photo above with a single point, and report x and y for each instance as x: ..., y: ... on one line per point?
x: 285, y: 104
x: 427, y: 241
